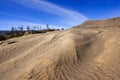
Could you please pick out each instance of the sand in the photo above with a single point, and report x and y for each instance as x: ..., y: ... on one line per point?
x: 74, y: 54
x: 106, y: 23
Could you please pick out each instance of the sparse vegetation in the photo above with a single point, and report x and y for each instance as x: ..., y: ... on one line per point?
x: 3, y: 37
x: 19, y: 31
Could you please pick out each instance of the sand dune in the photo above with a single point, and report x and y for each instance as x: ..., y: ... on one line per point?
x: 75, y: 54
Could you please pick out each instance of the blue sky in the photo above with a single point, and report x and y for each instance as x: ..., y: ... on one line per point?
x: 56, y: 13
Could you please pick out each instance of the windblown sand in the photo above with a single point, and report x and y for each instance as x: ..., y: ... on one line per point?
x: 75, y: 54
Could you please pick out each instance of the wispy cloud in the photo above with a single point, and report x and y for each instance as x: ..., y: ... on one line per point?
x: 66, y: 15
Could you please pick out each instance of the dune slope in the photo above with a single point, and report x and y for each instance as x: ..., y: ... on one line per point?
x: 107, y: 23
x: 75, y: 54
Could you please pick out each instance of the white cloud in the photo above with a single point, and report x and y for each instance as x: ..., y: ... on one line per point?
x: 66, y: 16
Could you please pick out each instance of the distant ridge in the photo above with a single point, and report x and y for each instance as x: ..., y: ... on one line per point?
x: 112, y: 23
x: 4, y: 31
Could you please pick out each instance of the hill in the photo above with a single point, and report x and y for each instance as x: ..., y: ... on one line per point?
x: 112, y: 22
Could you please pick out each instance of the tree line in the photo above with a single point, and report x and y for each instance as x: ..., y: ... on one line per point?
x: 22, y: 30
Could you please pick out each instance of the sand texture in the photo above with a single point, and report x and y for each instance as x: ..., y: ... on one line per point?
x: 75, y: 54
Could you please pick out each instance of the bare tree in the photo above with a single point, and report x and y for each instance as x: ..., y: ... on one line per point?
x: 12, y: 29
x: 40, y: 27
x: 28, y: 28
x: 47, y: 26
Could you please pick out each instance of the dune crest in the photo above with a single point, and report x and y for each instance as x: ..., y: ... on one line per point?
x: 107, y: 23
